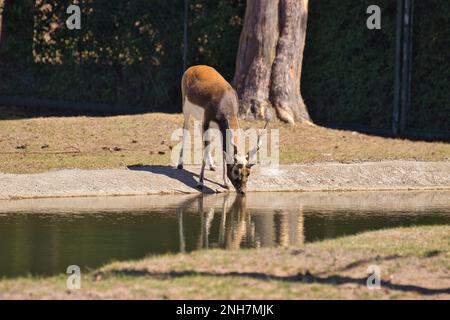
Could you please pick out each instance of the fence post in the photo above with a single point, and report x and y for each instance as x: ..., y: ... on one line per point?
x: 398, y: 67
x: 185, y: 34
x: 403, y: 66
x: 2, y: 9
x: 407, y: 64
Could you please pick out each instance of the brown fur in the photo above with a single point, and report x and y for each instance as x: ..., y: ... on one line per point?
x: 205, y: 87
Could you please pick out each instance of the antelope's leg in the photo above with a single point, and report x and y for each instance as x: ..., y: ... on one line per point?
x: 205, y: 143
x: 225, y: 180
x: 209, y: 159
x: 185, y: 128
x: 202, y: 172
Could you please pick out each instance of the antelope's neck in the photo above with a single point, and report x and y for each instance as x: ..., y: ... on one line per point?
x: 231, y: 123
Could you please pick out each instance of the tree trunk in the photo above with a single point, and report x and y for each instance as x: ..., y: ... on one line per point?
x: 269, y: 60
x: 257, y: 49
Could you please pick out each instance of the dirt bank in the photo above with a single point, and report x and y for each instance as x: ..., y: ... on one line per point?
x: 143, y: 180
x: 389, y: 201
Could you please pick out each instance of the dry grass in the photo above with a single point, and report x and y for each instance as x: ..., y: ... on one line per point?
x: 41, y: 144
x: 414, y: 264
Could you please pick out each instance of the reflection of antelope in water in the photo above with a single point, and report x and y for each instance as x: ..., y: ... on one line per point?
x: 237, y: 225
x: 233, y: 224
x: 205, y: 224
x: 289, y: 228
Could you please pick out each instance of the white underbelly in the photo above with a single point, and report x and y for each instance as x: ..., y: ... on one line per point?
x: 193, y: 110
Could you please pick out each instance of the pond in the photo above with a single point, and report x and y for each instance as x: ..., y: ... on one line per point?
x: 44, y: 237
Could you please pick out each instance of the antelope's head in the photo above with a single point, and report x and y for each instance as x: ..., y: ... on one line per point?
x: 239, y: 171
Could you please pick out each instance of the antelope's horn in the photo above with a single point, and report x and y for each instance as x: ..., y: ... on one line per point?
x: 258, y: 145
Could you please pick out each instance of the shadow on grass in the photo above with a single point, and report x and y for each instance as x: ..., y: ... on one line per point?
x: 187, y: 177
x: 28, y: 108
x: 369, y: 260
x: 305, y: 278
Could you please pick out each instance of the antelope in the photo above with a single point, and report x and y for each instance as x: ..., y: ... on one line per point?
x: 209, y: 98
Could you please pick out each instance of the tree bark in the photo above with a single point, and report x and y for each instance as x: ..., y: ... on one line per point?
x: 269, y: 60
x: 257, y: 49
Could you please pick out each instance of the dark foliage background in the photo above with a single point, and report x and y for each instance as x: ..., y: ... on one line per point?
x: 348, y: 70
x: 431, y: 65
x: 129, y: 53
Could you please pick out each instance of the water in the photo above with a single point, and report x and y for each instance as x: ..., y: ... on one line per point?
x: 43, y: 237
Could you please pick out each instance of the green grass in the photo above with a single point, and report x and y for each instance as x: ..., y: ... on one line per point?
x: 40, y: 144
x: 332, y: 269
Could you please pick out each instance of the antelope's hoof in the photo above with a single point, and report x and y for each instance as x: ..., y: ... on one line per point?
x: 212, y: 168
x: 180, y: 166
x: 226, y: 186
x: 200, y: 186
